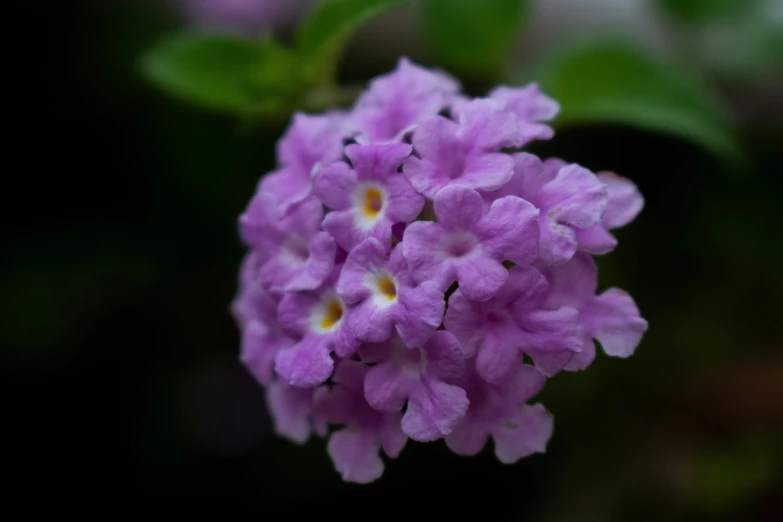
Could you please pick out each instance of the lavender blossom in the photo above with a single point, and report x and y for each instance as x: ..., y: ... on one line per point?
x: 407, y: 260
x: 370, y: 198
x: 354, y: 448
x: 468, y: 245
x: 384, y: 297
x: 421, y: 377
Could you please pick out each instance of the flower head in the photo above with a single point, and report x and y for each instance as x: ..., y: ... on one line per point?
x: 412, y: 273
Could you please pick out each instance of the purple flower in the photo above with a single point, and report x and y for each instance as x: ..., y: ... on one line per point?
x: 292, y: 411
x: 465, y: 152
x: 420, y: 377
x: 501, y: 412
x: 317, y: 320
x: 370, y: 198
x: 310, y: 143
x: 611, y: 318
x: 514, y: 322
x: 244, y: 306
x: 624, y: 204
x: 569, y: 197
x: 262, y: 336
x: 530, y: 107
x: 354, y: 448
x: 468, y: 245
x: 383, y: 296
x: 300, y: 256
x: 396, y: 102
x: 243, y: 17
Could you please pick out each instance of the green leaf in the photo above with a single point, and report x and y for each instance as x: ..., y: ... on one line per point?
x: 224, y: 73
x: 613, y: 82
x: 698, y: 11
x: 472, y: 36
x: 322, y: 36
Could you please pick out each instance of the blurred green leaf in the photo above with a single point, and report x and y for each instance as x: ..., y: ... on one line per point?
x: 617, y: 83
x: 472, y: 36
x: 322, y: 36
x: 698, y: 11
x: 224, y: 73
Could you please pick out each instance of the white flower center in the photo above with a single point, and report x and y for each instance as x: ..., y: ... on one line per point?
x: 369, y: 203
x: 383, y: 288
x: 327, y: 315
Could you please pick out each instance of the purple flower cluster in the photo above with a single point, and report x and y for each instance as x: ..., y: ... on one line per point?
x: 404, y: 259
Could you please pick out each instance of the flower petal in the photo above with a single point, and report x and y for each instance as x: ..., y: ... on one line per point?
x: 390, y: 434
x: 366, y: 257
x: 468, y: 437
x: 444, y: 356
x: 342, y: 226
x: 369, y: 322
x: 377, y: 162
x: 498, y: 357
x: 576, y: 197
x: 595, y: 240
x: 510, y: 230
x: 334, y: 184
x: 290, y: 408
x: 614, y: 320
x: 486, y: 171
x: 572, y: 283
x: 424, y: 261
x: 419, y: 313
x: 557, y: 243
x: 308, y: 363
x: 458, y: 208
x: 551, y: 337
x: 354, y: 454
x: 405, y: 204
x: 293, y: 312
x: 434, y: 408
x: 319, y: 265
x: 526, y: 433
x: 465, y: 322
x: 481, y: 278
x: 625, y: 200
x: 386, y: 387
x: 486, y: 125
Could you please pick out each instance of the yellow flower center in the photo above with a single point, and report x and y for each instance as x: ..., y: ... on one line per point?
x: 334, y: 312
x: 387, y: 288
x: 373, y: 202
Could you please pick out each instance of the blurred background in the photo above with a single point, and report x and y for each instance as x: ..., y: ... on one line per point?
x: 117, y: 286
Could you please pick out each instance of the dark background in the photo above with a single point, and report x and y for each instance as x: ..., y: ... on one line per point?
x: 117, y: 281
